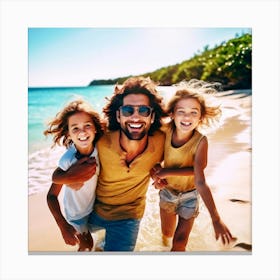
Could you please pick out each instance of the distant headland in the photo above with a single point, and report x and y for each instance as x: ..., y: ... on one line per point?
x: 229, y: 63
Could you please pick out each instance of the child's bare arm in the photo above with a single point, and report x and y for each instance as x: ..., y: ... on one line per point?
x: 220, y: 228
x: 169, y: 171
x: 68, y: 231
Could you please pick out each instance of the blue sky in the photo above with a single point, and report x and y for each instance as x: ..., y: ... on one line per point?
x: 76, y: 56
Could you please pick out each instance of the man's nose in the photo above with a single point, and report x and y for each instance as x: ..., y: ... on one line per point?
x: 135, y: 113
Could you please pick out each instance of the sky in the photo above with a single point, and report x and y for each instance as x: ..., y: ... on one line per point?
x: 76, y: 56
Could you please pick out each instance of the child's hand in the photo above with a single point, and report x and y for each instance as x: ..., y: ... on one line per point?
x: 221, y: 231
x: 69, y: 234
x: 86, y: 242
x: 159, y: 182
x: 158, y: 172
x: 155, y: 170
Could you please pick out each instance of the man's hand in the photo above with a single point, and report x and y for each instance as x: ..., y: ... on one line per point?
x: 80, y: 172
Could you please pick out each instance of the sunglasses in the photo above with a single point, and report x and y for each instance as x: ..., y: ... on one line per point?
x: 129, y: 110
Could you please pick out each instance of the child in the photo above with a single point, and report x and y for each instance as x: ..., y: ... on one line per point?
x: 79, y: 127
x: 185, y: 158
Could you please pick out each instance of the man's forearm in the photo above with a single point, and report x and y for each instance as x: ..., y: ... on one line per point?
x: 79, y: 172
x: 63, y: 177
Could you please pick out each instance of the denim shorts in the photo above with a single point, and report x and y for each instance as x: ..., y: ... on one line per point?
x: 80, y: 225
x: 184, y: 204
x: 120, y: 235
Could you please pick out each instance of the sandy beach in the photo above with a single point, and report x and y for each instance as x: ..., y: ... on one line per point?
x: 228, y: 174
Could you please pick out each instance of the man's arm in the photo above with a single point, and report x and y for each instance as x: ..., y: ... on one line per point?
x: 79, y: 172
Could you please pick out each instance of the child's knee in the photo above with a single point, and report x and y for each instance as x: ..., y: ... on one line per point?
x: 166, y: 240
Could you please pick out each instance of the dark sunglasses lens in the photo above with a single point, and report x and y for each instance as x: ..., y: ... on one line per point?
x: 144, y: 111
x: 127, y: 111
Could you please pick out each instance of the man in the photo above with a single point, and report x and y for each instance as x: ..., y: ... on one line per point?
x: 127, y: 153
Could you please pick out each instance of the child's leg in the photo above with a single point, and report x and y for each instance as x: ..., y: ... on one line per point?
x: 168, y: 225
x: 182, y: 233
x: 86, y: 241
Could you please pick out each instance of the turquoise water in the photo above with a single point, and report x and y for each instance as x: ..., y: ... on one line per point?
x: 44, y: 103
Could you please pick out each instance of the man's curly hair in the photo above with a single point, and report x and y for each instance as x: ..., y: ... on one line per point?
x: 134, y: 85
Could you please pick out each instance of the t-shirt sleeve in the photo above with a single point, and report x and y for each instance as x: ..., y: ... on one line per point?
x: 67, y: 159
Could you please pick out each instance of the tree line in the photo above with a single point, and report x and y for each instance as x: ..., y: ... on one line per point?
x: 229, y: 63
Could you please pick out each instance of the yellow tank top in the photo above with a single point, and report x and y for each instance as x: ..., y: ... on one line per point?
x: 180, y: 157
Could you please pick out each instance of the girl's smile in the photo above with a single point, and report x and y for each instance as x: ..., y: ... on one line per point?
x: 82, y: 132
x: 187, y: 114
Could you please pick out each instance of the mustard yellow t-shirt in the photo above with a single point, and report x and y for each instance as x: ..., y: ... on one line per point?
x: 121, y: 190
x: 180, y: 157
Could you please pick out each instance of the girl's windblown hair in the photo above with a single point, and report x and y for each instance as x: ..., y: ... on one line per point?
x: 201, y: 86
x: 204, y: 93
x: 58, y: 127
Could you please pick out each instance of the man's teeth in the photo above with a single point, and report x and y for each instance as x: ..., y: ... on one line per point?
x: 82, y: 138
x: 135, y: 125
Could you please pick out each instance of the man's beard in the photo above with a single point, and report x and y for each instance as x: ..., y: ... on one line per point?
x: 134, y: 135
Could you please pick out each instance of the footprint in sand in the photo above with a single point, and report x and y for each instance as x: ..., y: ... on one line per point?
x: 239, y: 200
x: 245, y: 246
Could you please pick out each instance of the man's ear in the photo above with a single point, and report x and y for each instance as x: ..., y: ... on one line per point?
x: 153, y: 117
x: 118, y: 116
